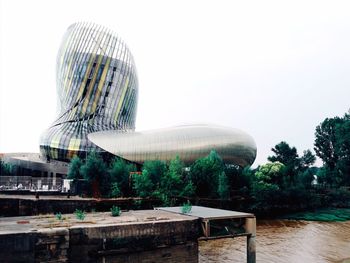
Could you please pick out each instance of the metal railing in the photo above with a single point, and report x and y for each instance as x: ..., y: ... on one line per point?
x: 28, y: 183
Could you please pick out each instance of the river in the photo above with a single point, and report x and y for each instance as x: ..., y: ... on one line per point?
x: 285, y: 241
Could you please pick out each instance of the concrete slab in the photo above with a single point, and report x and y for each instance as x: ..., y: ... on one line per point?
x: 27, y: 224
x: 207, y: 212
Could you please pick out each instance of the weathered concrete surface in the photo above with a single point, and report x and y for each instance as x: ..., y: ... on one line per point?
x: 28, y: 205
x: 135, y: 236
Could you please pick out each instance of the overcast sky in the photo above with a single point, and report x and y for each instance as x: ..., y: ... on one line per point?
x: 274, y: 69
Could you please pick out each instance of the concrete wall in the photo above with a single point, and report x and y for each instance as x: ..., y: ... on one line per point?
x: 157, y: 241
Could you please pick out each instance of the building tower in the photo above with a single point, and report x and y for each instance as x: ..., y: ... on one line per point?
x: 97, y: 90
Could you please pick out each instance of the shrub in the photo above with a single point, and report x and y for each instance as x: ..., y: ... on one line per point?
x: 80, y: 214
x: 186, y: 208
x: 58, y: 216
x: 115, y: 210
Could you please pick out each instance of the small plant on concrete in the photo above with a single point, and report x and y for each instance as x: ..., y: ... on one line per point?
x: 186, y: 208
x: 80, y: 214
x: 115, y: 210
x: 58, y: 216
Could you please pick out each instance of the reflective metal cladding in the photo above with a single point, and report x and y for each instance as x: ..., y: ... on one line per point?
x: 190, y: 142
x: 97, y: 88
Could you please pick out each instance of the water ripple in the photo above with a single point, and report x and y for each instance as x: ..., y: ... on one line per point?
x: 285, y: 241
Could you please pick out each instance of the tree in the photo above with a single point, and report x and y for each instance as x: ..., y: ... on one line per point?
x: 288, y: 156
x: 188, y: 190
x: 307, y: 176
x: 204, y: 173
x: 115, y: 191
x: 156, y: 169
x: 6, y: 168
x: 326, y: 140
x: 284, y: 154
x: 223, y: 187
x: 271, y: 173
x: 172, y: 180
x: 307, y: 160
x: 119, y: 173
x: 96, y: 173
x: 327, y: 177
x: 293, y: 163
x: 267, y: 186
x: 143, y: 185
x: 332, y: 145
x: 74, y: 168
x: 342, y: 148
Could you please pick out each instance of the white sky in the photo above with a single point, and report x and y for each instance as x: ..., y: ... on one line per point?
x: 274, y: 69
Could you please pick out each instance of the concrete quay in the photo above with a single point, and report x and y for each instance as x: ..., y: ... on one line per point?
x: 134, y: 236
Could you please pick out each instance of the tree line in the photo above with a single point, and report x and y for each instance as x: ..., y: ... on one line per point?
x: 288, y: 181
x: 206, y: 177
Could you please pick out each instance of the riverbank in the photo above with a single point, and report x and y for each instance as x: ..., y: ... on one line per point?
x: 324, y: 215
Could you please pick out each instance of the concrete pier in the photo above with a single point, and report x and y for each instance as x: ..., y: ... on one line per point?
x: 135, y: 236
x: 250, y: 227
x: 234, y: 223
x: 158, y: 236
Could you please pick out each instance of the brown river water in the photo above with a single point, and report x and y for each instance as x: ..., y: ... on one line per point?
x: 285, y: 241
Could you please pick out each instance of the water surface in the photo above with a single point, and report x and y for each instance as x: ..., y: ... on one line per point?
x: 285, y: 241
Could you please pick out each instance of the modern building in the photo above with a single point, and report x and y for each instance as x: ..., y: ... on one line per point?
x: 98, y: 90
x: 189, y: 142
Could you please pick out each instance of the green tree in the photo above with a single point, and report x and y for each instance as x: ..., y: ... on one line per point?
x: 156, y: 169
x: 266, y: 187
x: 6, y: 168
x: 265, y: 195
x: 120, y: 176
x: 294, y: 164
x: 143, y: 185
x: 188, y: 190
x: 332, y: 145
x: 343, y: 150
x: 307, y: 176
x: 288, y: 156
x: 74, y: 168
x: 115, y: 191
x: 326, y: 141
x: 223, y: 187
x: 204, y: 173
x: 307, y: 160
x: 172, y: 181
x: 327, y: 177
x: 284, y: 154
x: 95, y: 171
x: 271, y: 173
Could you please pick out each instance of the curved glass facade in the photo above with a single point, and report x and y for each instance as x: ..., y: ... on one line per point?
x: 97, y: 88
x: 190, y: 142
